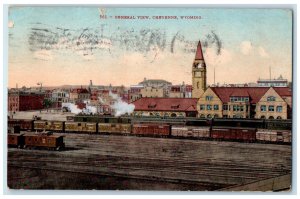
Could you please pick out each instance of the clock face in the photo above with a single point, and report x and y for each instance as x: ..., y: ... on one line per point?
x: 197, y: 74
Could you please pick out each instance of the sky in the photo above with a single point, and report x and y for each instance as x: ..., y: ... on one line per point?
x: 73, y: 45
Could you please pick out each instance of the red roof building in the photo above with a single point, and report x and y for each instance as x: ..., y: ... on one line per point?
x: 246, y: 102
x: 173, y: 107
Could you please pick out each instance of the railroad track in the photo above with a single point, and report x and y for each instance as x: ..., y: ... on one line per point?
x: 166, y: 159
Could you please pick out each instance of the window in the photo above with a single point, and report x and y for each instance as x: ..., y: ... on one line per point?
x: 262, y: 117
x: 216, y: 116
x: 239, y: 99
x: 271, y: 99
x: 202, y: 107
x: 271, y: 108
x: 241, y: 108
x: 209, y: 116
x: 279, y: 109
x: 263, y: 108
x: 225, y: 116
x: 225, y: 107
x: 271, y: 117
x: 209, y: 98
x: 216, y: 107
x: 279, y: 118
x: 202, y: 116
x: 234, y: 107
x: 208, y: 107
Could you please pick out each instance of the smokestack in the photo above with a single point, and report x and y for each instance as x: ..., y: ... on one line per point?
x: 91, y: 83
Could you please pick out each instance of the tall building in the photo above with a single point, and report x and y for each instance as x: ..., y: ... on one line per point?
x: 198, y: 74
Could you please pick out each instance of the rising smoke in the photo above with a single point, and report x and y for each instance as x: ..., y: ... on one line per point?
x: 120, y: 107
x: 74, y: 109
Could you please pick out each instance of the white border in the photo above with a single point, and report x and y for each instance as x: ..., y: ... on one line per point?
x: 225, y: 3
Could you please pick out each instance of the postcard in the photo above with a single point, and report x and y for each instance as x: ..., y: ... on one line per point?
x: 149, y: 98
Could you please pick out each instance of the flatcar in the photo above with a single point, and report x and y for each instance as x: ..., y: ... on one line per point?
x: 44, y: 141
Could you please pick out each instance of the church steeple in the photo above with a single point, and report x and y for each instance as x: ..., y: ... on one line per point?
x: 199, y: 54
x: 198, y: 73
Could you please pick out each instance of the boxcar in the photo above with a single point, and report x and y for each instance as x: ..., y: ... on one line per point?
x: 201, y: 132
x: 39, y: 125
x: 44, y: 140
x: 234, y: 133
x: 267, y: 135
x: 83, y: 127
x: 57, y: 126
x: 15, y: 140
x: 24, y: 124
x: 116, y: 128
x: 162, y: 130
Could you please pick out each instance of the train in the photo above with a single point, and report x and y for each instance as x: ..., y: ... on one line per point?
x: 45, y: 140
x: 190, y: 129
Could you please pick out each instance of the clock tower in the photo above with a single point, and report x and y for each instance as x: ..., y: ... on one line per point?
x: 198, y: 73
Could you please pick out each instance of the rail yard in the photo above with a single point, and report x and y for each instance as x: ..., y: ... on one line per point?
x: 119, y: 162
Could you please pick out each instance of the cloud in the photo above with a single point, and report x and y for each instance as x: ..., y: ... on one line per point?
x: 262, y: 52
x: 45, y: 55
x: 246, y: 47
x: 11, y: 24
x: 211, y: 57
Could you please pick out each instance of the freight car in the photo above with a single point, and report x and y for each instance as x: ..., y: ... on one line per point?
x: 234, y: 134
x: 23, y: 124
x: 44, y: 141
x: 271, y: 136
x: 15, y: 140
x: 153, y: 130
x: 40, y: 125
x: 191, y: 131
x: 115, y: 128
x: 84, y: 127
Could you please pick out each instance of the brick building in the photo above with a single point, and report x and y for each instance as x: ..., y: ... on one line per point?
x: 23, y: 101
x: 79, y: 95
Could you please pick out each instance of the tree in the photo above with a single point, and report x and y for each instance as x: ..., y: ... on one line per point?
x: 47, y: 103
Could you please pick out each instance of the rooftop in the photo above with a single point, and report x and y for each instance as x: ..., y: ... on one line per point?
x: 165, y: 104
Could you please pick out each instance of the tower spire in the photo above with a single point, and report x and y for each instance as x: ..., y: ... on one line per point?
x: 199, y: 54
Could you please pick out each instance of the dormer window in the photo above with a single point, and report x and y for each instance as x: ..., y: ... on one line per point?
x: 271, y: 99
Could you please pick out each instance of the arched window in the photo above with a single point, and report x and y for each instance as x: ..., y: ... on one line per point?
x: 166, y: 115
x: 262, y: 117
x: 279, y: 118
x: 202, y: 116
x: 173, y: 115
x: 271, y: 118
x: 216, y: 116
x: 209, y: 116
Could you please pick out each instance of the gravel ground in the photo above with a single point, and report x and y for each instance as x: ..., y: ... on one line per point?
x: 106, y: 162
